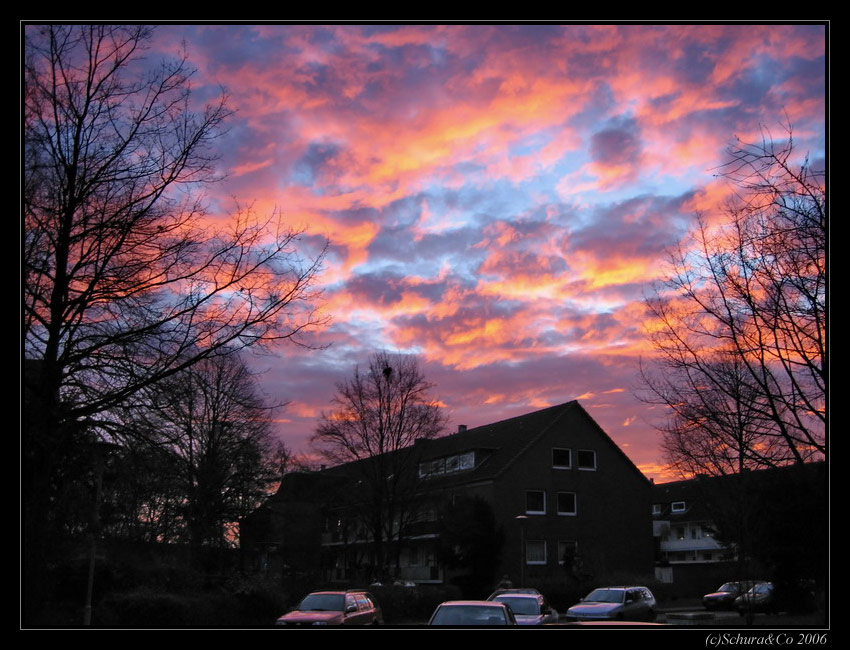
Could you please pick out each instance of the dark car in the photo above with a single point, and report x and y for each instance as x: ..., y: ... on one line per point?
x: 459, y: 613
x: 513, y: 590
x: 760, y: 598
x: 351, y: 607
x: 528, y: 609
x: 724, y: 597
x: 615, y: 604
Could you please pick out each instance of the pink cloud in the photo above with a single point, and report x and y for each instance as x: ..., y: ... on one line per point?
x: 497, y: 197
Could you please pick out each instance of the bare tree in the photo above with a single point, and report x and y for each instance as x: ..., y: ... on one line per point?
x: 212, y: 428
x: 380, y: 415
x: 717, y: 425
x: 740, y: 325
x: 124, y: 283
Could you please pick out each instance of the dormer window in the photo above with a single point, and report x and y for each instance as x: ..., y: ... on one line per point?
x: 447, y: 465
x: 678, y: 506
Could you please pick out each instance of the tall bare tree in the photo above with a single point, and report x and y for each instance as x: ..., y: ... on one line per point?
x: 380, y: 414
x: 212, y: 427
x: 740, y: 323
x: 124, y: 282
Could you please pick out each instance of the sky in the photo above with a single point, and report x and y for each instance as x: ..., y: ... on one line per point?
x: 498, y: 199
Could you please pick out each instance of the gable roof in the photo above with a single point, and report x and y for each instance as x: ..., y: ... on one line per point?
x: 497, y: 447
x: 500, y: 444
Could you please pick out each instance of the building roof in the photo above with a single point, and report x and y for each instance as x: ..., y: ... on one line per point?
x: 498, y: 445
x: 698, y: 491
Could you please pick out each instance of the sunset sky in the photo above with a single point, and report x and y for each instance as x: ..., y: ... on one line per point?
x: 498, y: 199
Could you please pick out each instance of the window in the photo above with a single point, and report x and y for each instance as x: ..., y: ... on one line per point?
x: 448, y: 465
x: 566, y: 503
x: 677, y: 506
x: 567, y: 551
x: 586, y: 459
x: 656, y: 508
x: 535, y: 502
x: 562, y: 458
x: 535, y: 552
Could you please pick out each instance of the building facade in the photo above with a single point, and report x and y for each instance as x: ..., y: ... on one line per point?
x: 551, y: 486
x: 774, y: 522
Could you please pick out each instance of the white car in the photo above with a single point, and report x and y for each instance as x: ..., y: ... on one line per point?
x: 615, y: 604
x: 528, y: 609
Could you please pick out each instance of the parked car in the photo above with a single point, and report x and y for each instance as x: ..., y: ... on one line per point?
x: 352, y: 607
x: 615, y: 604
x: 457, y: 613
x: 759, y: 598
x: 528, y: 609
x: 724, y: 597
x: 513, y: 590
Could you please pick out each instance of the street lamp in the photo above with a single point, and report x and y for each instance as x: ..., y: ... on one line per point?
x: 521, y: 519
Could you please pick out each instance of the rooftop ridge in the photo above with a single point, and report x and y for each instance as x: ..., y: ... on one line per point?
x: 507, y: 420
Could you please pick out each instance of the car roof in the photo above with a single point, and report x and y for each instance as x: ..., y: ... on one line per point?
x: 514, y: 594
x: 516, y: 590
x: 487, y: 603
x: 339, y: 592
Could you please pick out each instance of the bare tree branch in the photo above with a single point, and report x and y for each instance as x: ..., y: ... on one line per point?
x: 380, y: 415
x: 739, y: 324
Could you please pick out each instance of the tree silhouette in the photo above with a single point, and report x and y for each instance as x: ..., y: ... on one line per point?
x: 125, y: 284
x: 380, y: 415
x: 211, y: 428
x: 739, y: 324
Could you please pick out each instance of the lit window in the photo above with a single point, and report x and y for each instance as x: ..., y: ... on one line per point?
x: 562, y: 458
x: 586, y: 459
x: 535, y: 502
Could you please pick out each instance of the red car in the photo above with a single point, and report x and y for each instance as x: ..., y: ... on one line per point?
x: 334, y: 608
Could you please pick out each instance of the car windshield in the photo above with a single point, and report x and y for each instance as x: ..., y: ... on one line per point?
x: 521, y: 606
x: 322, y: 603
x: 729, y: 587
x: 469, y: 615
x: 606, y: 596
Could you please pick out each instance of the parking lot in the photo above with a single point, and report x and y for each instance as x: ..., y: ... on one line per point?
x: 693, y: 614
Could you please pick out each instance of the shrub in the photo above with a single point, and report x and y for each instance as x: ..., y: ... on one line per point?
x: 144, y: 608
